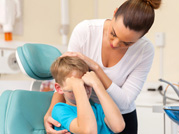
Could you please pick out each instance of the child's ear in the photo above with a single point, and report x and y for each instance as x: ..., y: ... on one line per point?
x: 58, y: 88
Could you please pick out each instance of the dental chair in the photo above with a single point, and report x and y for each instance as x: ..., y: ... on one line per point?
x: 22, y: 111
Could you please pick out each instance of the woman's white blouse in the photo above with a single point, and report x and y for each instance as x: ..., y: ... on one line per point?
x: 128, y: 75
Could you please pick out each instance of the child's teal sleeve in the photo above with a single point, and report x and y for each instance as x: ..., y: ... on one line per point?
x: 64, y: 114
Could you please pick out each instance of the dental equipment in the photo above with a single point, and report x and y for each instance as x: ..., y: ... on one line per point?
x: 9, y: 11
x: 64, y: 28
x: 171, y: 111
x: 35, y: 60
x: 175, y: 89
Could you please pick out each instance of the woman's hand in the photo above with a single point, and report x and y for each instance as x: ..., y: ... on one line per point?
x: 92, y: 64
x: 49, y: 122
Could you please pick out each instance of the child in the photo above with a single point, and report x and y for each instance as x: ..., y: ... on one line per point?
x: 75, y: 82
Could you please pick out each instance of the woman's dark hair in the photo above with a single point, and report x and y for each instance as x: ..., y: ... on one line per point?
x: 138, y: 15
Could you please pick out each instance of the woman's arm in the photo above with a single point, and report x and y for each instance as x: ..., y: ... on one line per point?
x: 48, y: 120
x: 125, y: 95
x: 115, y: 120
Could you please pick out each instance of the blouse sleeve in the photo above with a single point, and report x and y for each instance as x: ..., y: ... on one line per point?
x: 125, y: 95
x: 78, y: 37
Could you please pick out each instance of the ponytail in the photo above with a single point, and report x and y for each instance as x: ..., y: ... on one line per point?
x: 155, y: 4
x: 138, y: 15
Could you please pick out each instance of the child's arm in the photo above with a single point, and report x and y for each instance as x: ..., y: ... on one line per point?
x: 113, y: 117
x: 85, y: 122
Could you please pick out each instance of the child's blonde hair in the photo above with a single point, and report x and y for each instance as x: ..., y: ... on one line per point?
x: 63, y: 66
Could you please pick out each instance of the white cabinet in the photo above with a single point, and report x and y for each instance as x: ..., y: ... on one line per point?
x: 150, y: 122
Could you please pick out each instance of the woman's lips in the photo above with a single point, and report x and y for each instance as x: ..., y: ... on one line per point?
x: 112, y: 45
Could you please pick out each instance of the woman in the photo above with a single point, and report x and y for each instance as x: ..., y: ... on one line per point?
x: 119, y: 54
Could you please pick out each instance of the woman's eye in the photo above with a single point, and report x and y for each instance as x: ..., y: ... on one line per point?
x: 127, y: 44
x: 113, y: 34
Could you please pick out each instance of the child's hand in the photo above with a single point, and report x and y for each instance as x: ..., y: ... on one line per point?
x: 90, y: 79
x: 71, y: 83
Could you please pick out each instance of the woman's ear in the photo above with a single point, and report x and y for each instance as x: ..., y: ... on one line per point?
x: 58, y: 88
x: 115, y: 11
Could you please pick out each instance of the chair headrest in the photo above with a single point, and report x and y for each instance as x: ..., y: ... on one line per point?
x: 36, y: 60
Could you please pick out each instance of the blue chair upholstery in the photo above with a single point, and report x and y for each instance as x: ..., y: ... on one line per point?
x: 36, y: 60
x: 22, y: 111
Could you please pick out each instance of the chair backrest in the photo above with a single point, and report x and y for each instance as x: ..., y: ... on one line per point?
x: 22, y: 111
x: 35, y: 60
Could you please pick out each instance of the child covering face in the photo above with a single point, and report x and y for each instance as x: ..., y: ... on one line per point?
x: 77, y: 115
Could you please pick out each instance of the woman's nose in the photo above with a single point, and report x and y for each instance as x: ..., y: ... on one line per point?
x: 116, y: 43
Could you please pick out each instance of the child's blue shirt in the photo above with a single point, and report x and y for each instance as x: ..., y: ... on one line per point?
x: 65, y: 113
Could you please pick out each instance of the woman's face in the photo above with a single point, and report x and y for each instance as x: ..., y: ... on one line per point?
x: 121, y: 37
